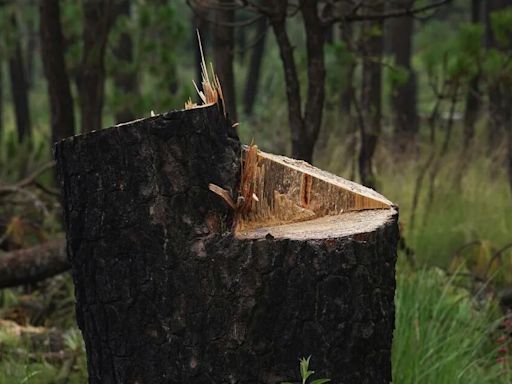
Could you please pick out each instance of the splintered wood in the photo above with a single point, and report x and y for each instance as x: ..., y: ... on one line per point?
x: 211, y: 92
x: 290, y: 191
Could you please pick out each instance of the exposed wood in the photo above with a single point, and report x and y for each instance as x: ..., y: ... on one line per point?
x: 343, y: 225
x: 26, y: 266
x: 291, y: 190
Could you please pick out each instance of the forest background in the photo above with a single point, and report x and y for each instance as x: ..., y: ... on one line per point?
x: 412, y: 98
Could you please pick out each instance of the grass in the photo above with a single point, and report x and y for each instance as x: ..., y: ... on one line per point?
x: 441, y: 335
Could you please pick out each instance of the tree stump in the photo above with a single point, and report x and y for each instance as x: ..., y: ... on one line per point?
x: 174, y: 286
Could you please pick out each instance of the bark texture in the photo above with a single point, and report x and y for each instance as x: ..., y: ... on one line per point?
x: 59, y: 90
x: 167, y: 294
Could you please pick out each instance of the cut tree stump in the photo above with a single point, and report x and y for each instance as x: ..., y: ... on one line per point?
x: 175, y: 286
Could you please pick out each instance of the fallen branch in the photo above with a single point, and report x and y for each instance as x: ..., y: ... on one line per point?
x: 33, y: 264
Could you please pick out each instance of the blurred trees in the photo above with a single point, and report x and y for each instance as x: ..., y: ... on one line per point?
x: 125, y: 76
x: 130, y: 55
x: 52, y: 52
x: 98, y: 17
x: 254, y: 70
x: 223, y: 37
x: 371, y: 93
x: 403, y: 78
x: 473, y: 97
x: 18, y: 77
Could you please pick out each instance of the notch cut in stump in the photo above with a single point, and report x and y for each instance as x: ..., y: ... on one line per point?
x: 174, y: 286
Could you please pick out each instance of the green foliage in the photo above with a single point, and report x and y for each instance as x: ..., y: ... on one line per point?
x: 501, y: 23
x: 454, y: 58
x: 306, y: 373
x: 339, y: 56
x: 158, y: 32
x: 398, y: 76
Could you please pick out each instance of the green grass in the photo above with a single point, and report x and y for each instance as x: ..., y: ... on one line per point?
x: 441, y: 336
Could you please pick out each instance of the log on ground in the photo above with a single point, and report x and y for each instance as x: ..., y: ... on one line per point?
x: 30, y: 265
x: 174, y: 286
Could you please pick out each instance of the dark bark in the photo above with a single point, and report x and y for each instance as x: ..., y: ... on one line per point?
x: 125, y: 77
x: 59, y: 89
x: 254, y: 72
x: 28, y: 266
x: 404, y: 93
x: 473, y: 97
x: 371, y: 96
x: 224, y: 53
x: 166, y: 293
x: 19, y: 87
x: 91, y: 75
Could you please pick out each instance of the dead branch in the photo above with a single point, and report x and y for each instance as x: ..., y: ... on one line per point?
x: 33, y: 264
x: 409, y: 11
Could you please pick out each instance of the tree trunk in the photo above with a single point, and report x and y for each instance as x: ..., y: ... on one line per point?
x: 19, y: 88
x: 301, y: 147
x: 404, y: 93
x: 224, y: 52
x: 59, y: 90
x: 371, y: 97
x: 91, y: 76
x: 125, y: 77
x: 167, y: 290
x: 304, y: 128
x: 254, y: 72
x: 473, y: 96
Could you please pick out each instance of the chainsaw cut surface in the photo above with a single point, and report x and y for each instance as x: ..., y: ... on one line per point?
x: 344, y: 225
x: 293, y: 191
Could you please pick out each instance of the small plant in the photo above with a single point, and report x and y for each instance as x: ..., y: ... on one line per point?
x: 305, y: 374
